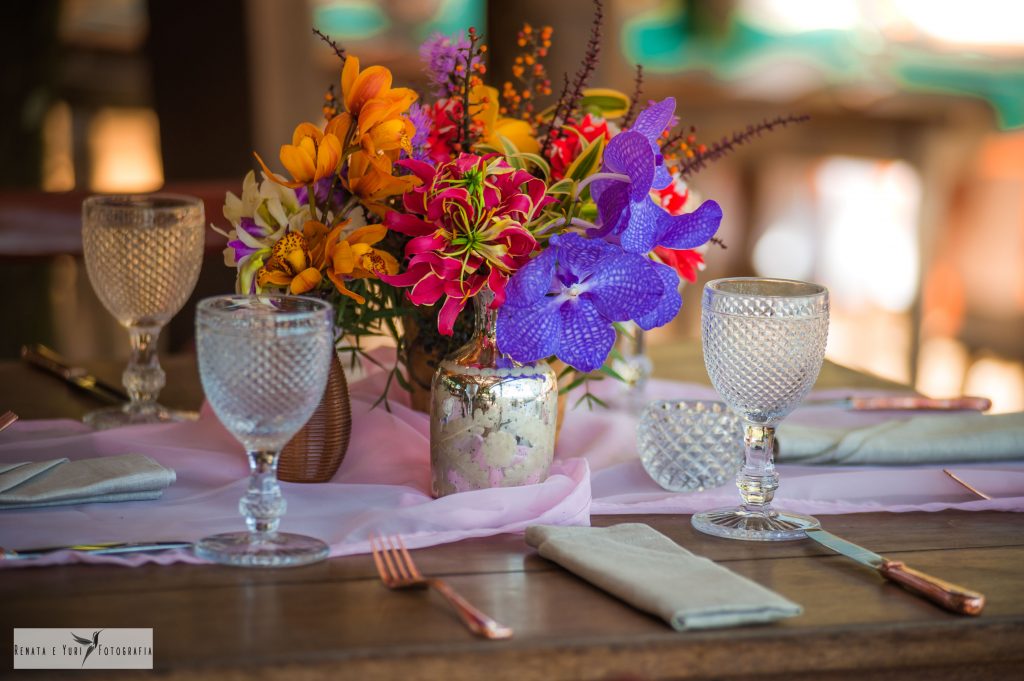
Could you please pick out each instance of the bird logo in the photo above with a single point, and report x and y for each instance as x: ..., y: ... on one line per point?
x: 86, y: 642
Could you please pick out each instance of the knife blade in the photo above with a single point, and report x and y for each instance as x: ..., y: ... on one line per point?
x: 45, y: 359
x: 95, y: 549
x: 904, y: 403
x: 952, y: 597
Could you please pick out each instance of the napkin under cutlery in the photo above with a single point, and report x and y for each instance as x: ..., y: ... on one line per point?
x: 933, y: 438
x: 129, y: 477
x: 652, y: 573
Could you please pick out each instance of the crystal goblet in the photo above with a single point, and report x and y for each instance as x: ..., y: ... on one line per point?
x: 263, y: 363
x: 764, y: 343
x: 143, y: 254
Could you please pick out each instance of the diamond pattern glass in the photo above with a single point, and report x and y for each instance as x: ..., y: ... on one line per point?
x: 764, y: 343
x: 263, y: 363
x: 143, y: 254
x: 689, y: 446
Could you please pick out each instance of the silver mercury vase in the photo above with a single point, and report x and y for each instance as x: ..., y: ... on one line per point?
x: 492, y: 420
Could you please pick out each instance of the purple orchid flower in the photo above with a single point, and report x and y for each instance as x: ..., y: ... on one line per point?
x: 564, y: 301
x: 321, y: 190
x: 628, y: 214
x: 242, y: 249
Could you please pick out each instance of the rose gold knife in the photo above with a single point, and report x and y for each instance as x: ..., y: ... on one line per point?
x: 946, y: 594
x: 905, y: 403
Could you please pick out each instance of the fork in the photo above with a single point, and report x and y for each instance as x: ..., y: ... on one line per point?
x: 398, y: 571
x: 8, y: 418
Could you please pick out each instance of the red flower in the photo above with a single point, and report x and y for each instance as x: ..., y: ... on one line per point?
x: 566, y: 144
x: 686, y: 263
x: 673, y: 197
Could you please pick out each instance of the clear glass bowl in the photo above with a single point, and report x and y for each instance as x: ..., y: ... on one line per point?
x: 690, y: 445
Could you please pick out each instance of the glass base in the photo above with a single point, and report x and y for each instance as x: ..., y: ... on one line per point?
x: 246, y: 549
x: 739, y: 523
x: 116, y: 417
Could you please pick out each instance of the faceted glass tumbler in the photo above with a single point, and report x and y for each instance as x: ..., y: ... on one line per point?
x: 764, y: 343
x: 263, y: 362
x: 690, y: 445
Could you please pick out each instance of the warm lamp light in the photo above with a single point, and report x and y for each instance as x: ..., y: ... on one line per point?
x: 124, y: 146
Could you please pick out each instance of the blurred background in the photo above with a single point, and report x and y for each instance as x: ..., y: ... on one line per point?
x: 904, y: 194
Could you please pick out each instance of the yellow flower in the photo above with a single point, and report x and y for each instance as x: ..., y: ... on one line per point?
x: 297, y: 259
x: 310, y: 157
x: 358, y: 88
x: 374, y: 184
x: 484, y: 105
x: 376, y: 110
x: 354, y: 257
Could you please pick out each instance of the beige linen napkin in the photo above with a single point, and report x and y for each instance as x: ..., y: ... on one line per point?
x: 652, y: 573
x: 934, y: 438
x: 130, y: 477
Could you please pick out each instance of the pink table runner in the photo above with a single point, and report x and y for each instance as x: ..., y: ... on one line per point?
x: 383, y: 484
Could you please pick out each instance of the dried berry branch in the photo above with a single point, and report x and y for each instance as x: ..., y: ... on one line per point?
x: 549, y: 133
x: 727, y: 145
x: 590, y: 59
x: 339, y: 51
x: 638, y: 88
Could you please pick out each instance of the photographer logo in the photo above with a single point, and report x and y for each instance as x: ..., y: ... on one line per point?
x: 84, y: 648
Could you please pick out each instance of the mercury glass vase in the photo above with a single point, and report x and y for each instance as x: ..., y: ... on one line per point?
x: 492, y: 420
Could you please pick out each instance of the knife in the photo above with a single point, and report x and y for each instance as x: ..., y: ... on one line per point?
x: 905, y: 403
x: 45, y: 359
x: 946, y: 594
x: 95, y: 549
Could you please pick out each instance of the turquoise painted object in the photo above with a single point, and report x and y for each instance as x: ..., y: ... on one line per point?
x: 667, y: 40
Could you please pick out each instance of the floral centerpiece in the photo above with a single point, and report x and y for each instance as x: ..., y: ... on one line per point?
x: 560, y: 222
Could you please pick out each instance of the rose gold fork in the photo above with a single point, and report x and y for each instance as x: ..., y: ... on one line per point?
x: 8, y: 418
x: 398, y: 571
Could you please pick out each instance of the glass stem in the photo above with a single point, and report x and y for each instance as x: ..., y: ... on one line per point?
x: 263, y: 505
x: 757, y: 480
x: 143, y: 379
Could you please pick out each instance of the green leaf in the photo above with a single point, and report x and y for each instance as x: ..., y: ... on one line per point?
x: 572, y: 386
x: 604, y: 102
x: 562, y: 187
x: 588, y: 161
x: 605, y: 369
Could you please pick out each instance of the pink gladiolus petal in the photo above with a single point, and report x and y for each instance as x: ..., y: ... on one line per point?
x: 427, y: 290
x: 448, y: 314
x: 407, y: 224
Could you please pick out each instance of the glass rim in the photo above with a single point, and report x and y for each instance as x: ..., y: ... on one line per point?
x: 127, y: 201
x: 208, y: 306
x: 813, y: 290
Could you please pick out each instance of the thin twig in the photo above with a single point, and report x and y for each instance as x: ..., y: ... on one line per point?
x: 590, y: 59
x: 339, y: 51
x: 638, y: 88
x: 728, y: 144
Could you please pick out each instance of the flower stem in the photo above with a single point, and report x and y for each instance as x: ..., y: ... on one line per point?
x: 618, y: 177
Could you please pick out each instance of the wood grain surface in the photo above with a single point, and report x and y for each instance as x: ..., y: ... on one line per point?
x: 334, y: 620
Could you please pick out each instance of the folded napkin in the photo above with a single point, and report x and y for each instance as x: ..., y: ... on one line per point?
x: 935, y: 438
x: 130, y: 477
x: 652, y: 573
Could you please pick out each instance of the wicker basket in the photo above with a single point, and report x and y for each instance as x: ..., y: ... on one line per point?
x: 316, y: 451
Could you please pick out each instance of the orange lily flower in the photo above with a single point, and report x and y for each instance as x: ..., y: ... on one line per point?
x: 376, y: 110
x: 372, y: 184
x: 354, y: 257
x: 360, y: 87
x: 310, y: 157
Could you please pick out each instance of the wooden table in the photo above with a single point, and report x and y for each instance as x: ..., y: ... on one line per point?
x: 334, y: 620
